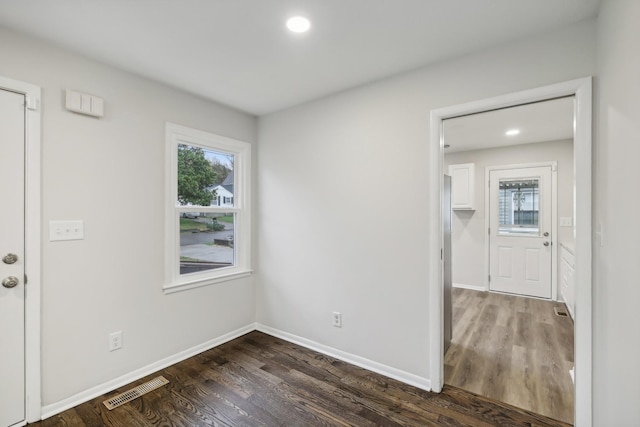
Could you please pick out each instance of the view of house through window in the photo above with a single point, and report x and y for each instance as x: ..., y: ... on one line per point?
x: 519, y: 206
x: 205, y: 180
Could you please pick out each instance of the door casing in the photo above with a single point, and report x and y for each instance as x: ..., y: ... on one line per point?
x: 582, y: 90
x: 33, y: 243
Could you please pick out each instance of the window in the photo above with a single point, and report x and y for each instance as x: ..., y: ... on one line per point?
x: 208, y: 212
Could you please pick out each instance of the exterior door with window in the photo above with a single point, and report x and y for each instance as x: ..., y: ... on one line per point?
x: 12, y: 263
x: 520, y: 223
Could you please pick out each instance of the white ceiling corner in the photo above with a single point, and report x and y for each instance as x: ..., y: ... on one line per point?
x: 239, y: 53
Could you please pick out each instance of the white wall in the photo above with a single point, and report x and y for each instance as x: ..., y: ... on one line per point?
x: 328, y: 240
x: 110, y: 173
x: 616, y: 342
x: 468, y: 237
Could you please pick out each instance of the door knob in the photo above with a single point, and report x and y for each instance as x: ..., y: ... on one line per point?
x: 10, y: 258
x: 10, y: 282
x: 545, y: 234
x: 546, y: 243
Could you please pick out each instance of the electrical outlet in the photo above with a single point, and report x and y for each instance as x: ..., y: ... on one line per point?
x: 337, y: 319
x: 115, y: 340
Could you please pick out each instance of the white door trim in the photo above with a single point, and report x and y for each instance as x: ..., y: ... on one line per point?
x: 32, y: 243
x: 554, y: 219
x: 582, y: 229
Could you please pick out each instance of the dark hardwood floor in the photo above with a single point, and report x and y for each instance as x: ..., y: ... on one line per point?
x: 259, y: 380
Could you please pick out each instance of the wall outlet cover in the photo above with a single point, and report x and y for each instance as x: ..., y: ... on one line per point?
x: 337, y: 319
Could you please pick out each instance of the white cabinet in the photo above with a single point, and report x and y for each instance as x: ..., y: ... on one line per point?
x: 462, y: 186
x: 567, y: 279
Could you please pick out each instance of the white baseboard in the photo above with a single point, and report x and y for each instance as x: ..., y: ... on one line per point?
x: 472, y: 287
x: 387, y: 371
x: 564, y: 300
x: 104, y: 388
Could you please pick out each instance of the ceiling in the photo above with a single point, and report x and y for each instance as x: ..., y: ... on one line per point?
x: 538, y: 122
x: 239, y: 53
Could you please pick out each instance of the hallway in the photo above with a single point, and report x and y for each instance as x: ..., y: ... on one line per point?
x: 512, y: 349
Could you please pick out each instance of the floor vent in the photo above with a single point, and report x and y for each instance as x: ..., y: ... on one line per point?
x: 135, y: 392
x: 560, y: 312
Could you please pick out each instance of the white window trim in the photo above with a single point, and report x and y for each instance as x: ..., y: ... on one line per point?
x: 176, y: 135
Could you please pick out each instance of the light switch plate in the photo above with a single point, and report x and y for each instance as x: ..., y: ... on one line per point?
x: 66, y: 230
x: 565, y: 221
x: 84, y: 103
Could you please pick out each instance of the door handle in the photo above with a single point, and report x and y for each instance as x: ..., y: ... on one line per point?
x: 10, y: 282
x: 546, y: 243
x: 545, y: 234
x: 10, y: 258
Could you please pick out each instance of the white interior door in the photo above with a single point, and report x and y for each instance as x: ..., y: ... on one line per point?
x: 12, y: 291
x: 520, y: 231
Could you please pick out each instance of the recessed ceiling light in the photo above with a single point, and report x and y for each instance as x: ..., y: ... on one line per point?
x: 298, y: 24
x: 512, y: 132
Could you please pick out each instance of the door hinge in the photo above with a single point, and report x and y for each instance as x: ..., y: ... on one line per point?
x: 441, y: 254
x: 489, y: 230
x: 25, y: 280
x: 489, y: 277
x: 31, y: 102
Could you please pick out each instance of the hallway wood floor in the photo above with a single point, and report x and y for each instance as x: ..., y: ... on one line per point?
x: 514, y: 350
x: 259, y: 380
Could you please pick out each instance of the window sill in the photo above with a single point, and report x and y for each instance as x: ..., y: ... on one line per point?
x: 170, y: 289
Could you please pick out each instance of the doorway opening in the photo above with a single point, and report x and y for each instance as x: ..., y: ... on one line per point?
x: 507, y: 342
x: 581, y: 227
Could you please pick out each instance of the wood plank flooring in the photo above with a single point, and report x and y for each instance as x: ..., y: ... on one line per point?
x: 259, y: 380
x: 514, y: 350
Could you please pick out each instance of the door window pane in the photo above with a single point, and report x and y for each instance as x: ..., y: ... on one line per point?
x: 519, y: 206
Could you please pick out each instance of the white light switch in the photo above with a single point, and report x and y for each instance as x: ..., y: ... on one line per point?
x: 565, y: 221
x: 97, y: 106
x: 84, y: 103
x: 66, y: 230
x: 74, y: 101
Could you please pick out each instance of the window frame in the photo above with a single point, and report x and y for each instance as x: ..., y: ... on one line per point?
x: 182, y: 135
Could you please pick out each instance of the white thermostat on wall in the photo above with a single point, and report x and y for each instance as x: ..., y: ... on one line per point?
x: 84, y: 103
